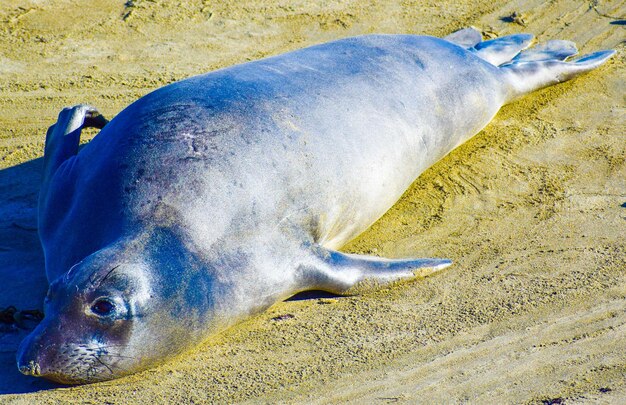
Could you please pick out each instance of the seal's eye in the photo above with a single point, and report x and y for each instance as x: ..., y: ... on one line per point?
x: 102, y: 307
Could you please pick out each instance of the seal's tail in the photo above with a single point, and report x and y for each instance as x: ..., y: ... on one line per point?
x: 527, y: 70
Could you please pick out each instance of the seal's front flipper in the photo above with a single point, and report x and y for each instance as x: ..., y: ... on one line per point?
x: 339, y: 273
x: 62, y: 138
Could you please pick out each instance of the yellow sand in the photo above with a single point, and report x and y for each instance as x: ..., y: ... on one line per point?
x: 532, y: 210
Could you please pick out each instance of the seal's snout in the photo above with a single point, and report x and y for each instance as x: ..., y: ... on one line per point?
x: 26, y: 361
x: 29, y: 355
x: 31, y: 368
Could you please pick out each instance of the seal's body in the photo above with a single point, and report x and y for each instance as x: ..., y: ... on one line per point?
x: 212, y: 198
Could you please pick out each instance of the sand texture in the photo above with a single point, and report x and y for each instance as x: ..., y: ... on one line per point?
x: 532, y: 211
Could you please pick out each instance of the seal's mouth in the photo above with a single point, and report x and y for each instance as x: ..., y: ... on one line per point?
x: 66, y: 363
x: 32, y: 369
x: 62, y: 379
x: 74, y: 371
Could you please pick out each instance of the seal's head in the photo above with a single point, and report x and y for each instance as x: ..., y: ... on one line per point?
x: 120, y: 310
x: 90, y: 331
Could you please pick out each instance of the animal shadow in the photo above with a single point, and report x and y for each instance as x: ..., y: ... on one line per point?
x: 23, y: 283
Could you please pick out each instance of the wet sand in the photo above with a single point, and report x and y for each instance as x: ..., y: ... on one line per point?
x: 532, y: 211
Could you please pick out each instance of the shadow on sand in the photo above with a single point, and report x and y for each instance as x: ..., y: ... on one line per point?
x: 23, y: 282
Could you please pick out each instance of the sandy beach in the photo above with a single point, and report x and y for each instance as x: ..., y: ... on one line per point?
x: 532, y: 211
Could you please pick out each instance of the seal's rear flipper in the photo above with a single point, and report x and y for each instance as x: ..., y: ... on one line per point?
x: 339, y: 273
x: 546, y: 67
x: 552, y: 50
x: 501, y: 50
x: 466, y: 38
x: 62, y: 138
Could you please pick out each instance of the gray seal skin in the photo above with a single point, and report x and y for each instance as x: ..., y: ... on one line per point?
x: 212, y: 198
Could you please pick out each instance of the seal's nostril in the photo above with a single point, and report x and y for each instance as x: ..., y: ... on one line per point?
x: 31, y: 368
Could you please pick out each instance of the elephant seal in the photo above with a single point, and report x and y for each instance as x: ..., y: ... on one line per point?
x: 212, y: 198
